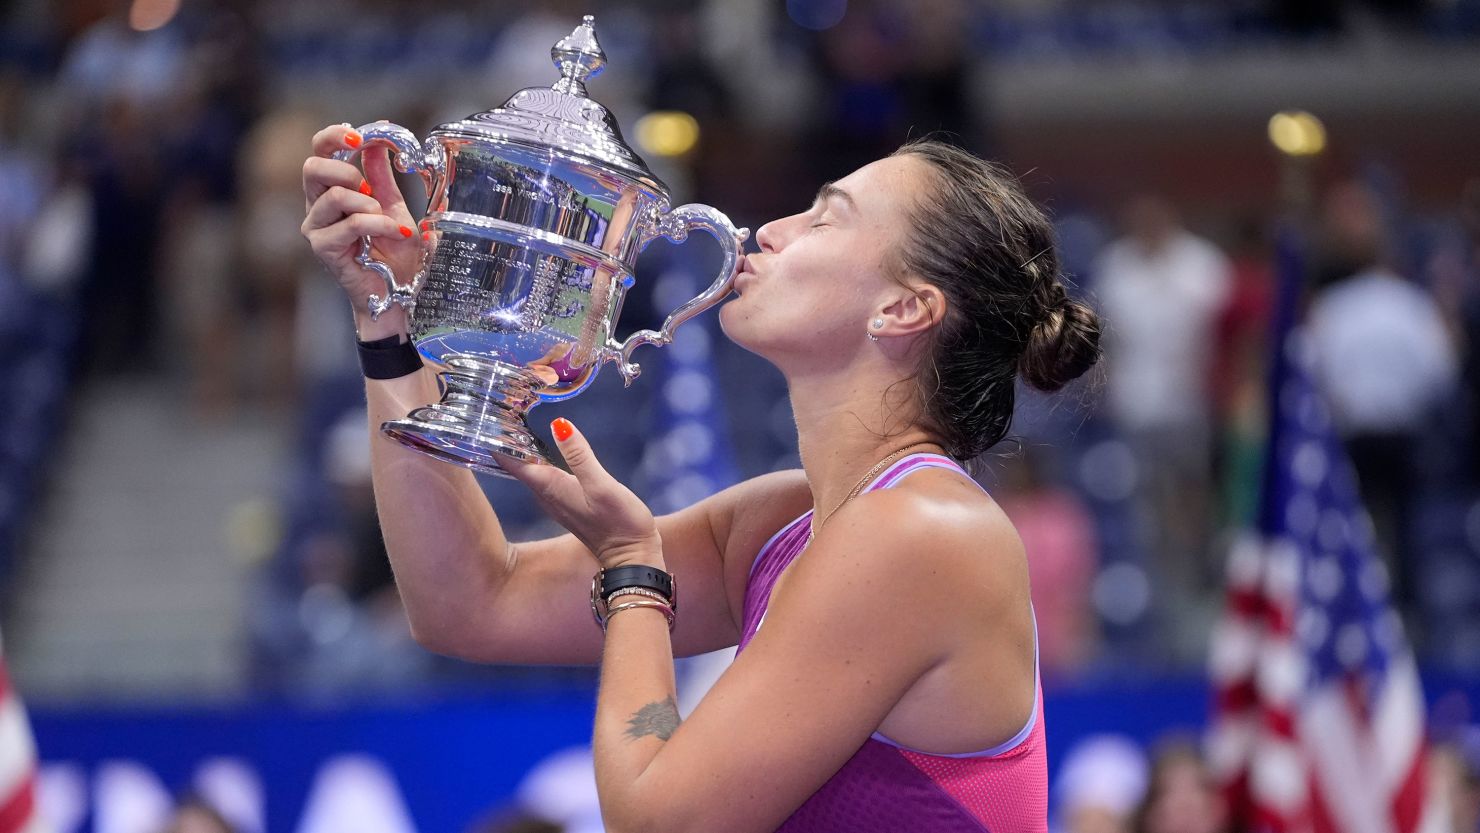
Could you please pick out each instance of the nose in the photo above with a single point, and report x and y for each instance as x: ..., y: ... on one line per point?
x: 765, y: 237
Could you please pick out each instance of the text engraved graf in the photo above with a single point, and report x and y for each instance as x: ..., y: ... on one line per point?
x: 468, y: 286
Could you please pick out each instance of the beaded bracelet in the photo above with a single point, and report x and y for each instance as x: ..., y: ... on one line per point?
x: 667, y: 611
x: 640, y: 591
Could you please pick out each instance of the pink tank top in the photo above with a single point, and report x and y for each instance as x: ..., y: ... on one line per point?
x: 889, y: 787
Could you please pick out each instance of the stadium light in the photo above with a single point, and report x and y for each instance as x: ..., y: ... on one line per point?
x: 668, y: 132
x: 1297, y: 133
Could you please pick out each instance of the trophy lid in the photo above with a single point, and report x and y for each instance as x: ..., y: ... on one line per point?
x: 562, y: 116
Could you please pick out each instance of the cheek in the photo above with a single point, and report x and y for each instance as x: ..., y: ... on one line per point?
x: 815, y: 288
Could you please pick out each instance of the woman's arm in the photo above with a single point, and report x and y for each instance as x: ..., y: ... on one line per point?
x: 897, y: 586
x: 470, y: 592
x: 872, y: 607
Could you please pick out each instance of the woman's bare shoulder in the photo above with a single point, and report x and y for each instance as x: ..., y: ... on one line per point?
x: 946, y: 526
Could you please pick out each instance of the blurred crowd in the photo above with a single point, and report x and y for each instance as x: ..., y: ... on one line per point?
x: 149, y: 213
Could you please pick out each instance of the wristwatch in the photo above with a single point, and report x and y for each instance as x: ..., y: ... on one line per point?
x: 606, y: 582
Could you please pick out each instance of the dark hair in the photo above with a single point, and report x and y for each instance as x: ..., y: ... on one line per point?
x: 979, y: 239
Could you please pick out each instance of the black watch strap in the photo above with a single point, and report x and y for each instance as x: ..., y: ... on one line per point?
x: 388, y: 358
x: 638, y: 575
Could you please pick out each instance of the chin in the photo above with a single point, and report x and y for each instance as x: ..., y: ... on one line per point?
x: 730, y: 321
x: 738, y: 327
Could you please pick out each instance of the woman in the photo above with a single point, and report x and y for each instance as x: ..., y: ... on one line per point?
x: 887, y: 676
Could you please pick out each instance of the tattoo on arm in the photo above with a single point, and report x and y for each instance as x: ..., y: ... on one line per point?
x: 659, y: 719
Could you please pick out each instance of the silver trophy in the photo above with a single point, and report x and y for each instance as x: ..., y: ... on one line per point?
x: 537, y: 212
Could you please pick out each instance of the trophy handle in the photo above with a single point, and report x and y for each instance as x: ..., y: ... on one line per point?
x: 676, y: 225
x: 410, y: 156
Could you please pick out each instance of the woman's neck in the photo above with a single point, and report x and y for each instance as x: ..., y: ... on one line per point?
x: 845, y: 428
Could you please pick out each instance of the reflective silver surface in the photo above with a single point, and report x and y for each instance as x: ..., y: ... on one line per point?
x: 537, y: 211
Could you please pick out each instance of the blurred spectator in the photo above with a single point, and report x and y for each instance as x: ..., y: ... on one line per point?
x: 889, y: 71
x: 111, y: 61
x: 1239, y: 367
x: 936, y: 78
x: 1099, y: 786
x: 1058, y: 535
x: 521, y: 55
x: 1162, y: 290
x: 1385, y: 361
x: 200, y: 268
x: 352, y: 627
x: 194, y: 815
x: 23, y: 188
x: 279, y: 270
x: 1453, y: 803
x: 1181, y: 796
x: 60, y: 238
x: 120, y: 319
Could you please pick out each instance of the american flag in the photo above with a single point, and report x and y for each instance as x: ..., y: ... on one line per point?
x: 17, y: 763
x: 1319, y: 714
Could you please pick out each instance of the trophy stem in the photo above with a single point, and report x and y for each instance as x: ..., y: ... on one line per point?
x: 481, y: 417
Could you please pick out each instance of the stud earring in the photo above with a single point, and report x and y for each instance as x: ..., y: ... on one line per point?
x: 878, y: 324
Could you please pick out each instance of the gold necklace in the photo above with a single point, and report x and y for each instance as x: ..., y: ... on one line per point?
x: 858, y: 489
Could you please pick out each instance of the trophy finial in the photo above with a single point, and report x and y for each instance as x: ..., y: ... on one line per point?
x: 578, y: 56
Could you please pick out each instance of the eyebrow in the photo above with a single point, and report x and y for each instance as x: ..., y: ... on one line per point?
x: 831, y: 190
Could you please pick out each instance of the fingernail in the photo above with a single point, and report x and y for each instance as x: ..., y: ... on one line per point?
x: 426, y: 225
x: 365, y: 188
x: 562, y: 428
x: 406, y: 231
x: 426, y: 235
x: 353, y: 139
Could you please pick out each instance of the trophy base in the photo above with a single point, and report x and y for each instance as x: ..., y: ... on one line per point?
x: 480, y: 419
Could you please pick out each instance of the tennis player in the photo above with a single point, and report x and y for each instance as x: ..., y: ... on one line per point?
x: 887, y: 677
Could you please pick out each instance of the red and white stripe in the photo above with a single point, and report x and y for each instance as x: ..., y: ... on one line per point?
x: 18, y: 812
x: 1295, y: 759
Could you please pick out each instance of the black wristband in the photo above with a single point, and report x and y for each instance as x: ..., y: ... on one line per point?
x: 637, y: 575
x: 388, y: 358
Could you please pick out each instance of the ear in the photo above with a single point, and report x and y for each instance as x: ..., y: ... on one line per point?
x: 918, y: 308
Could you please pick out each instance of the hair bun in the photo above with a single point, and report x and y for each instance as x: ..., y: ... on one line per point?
x: 1063, y: 345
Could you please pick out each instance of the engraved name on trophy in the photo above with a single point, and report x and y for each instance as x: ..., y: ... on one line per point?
x: 537, y: 212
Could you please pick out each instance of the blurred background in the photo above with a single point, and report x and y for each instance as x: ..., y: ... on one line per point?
x: 195, y: 600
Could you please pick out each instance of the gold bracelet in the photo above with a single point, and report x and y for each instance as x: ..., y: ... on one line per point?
x: 667, y: 611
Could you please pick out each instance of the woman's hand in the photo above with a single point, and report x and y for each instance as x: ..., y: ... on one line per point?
x: 605, y: 515
x: 344, y: 206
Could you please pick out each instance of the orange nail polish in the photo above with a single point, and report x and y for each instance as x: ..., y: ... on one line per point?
x: 426, y: 235
x: 562, y: 428
x: 353, y: 139
x: 426, y: 225
x: 365, y: 188
x: 406, y: 231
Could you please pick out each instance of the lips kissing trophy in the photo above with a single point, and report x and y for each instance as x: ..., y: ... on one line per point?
x: 537, y: 212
